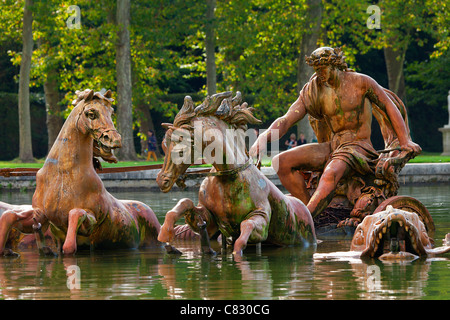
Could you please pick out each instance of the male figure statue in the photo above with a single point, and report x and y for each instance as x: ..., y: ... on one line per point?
x: 342, y: 100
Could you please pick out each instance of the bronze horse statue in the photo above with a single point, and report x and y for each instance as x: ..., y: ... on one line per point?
x: 70, y: 196
x: 235, y: 198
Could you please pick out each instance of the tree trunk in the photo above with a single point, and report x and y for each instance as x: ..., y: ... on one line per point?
x: 210, y: 48
x: 308, y: 45
x: 54, y: 119
x: 123, y: 69
x: 394, y: 66
x: 25, y: 144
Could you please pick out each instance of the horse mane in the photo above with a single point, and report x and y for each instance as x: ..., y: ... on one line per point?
x: 89, y: 95
x: 221, y: 105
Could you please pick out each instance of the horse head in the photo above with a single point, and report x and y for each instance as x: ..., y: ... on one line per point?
x: 95, y: 120
x: 195, y: 128
x: 177, y: 146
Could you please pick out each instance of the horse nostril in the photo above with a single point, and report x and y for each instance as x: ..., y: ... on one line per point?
x: 163, y: 181
x: 106, y: 137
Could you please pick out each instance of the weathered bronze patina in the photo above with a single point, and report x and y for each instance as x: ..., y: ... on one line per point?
x: 235, y: 198
x: 393, y: 235
x: 70, y: 196
x: 342, y: 170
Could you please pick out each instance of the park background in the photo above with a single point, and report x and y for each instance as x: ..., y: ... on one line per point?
x: 152, y: 53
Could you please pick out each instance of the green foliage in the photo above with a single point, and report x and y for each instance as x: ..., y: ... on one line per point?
x: 257, y: 49
x: 344, y: 25
x: 427, y: 92
x: 11, y: 20
x: 83, y: 57
x: 9, y: 126
x: 429, y: 81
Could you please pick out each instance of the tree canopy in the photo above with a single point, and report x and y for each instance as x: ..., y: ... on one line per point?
x: 257, y: 51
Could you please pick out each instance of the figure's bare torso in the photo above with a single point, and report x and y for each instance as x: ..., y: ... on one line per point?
x: 346, y: 107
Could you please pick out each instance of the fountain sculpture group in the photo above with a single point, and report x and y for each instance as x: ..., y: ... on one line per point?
x: 341, y: 175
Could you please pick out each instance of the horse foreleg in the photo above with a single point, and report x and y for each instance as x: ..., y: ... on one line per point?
x: 77, y: 218
x: 254, y: 229
x: 194, y: 215
x: 167, y: 231
x: 197, y: 217
x: 22, y: 221
x: 204, y: 238
x: 40, y: 239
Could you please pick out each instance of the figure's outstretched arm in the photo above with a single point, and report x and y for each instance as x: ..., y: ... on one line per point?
x: 279, y: 127
x: 377, y: 95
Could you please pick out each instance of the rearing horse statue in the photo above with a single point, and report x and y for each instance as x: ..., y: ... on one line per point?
x: 235, y: 198
x: 70, y: 196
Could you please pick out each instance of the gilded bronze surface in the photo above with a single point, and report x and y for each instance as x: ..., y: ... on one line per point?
x: 70, y: 197
x: 393, y: 235
x: 235, y: 198
x: 342, y: 170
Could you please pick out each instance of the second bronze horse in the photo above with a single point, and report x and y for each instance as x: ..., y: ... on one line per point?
x: 235, y: 198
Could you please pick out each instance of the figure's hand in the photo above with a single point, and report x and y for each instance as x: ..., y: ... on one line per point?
x: 257, y: 148
x: 412, y: 147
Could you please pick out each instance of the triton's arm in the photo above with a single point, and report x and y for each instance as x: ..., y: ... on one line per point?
x: 377, y: 95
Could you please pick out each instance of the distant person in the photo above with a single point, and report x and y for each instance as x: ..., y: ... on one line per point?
x: 292, y: 142
x: 301, y: 140
x: 151, y: 146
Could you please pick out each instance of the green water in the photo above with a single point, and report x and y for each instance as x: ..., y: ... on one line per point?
x: 272, y: 273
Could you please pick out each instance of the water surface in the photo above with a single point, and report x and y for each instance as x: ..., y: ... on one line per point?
x: 272, y: 273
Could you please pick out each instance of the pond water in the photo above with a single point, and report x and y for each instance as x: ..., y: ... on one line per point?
x: 272, y: 273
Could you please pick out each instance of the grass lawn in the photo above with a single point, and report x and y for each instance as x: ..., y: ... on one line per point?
x: 428, y: 157
x: 425, y: 157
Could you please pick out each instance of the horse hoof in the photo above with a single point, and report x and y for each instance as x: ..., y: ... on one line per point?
x: 69, y: 252
x: 209, y: 251
x: 10, y: 253
x: 172, y: 250
x: 46, y: 251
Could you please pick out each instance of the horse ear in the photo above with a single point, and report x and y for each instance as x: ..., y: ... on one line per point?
x: 80, y: 96
x: 237, y: 100
x: 188, y: 105
x: 89, y: 95
x: 108, y: 94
